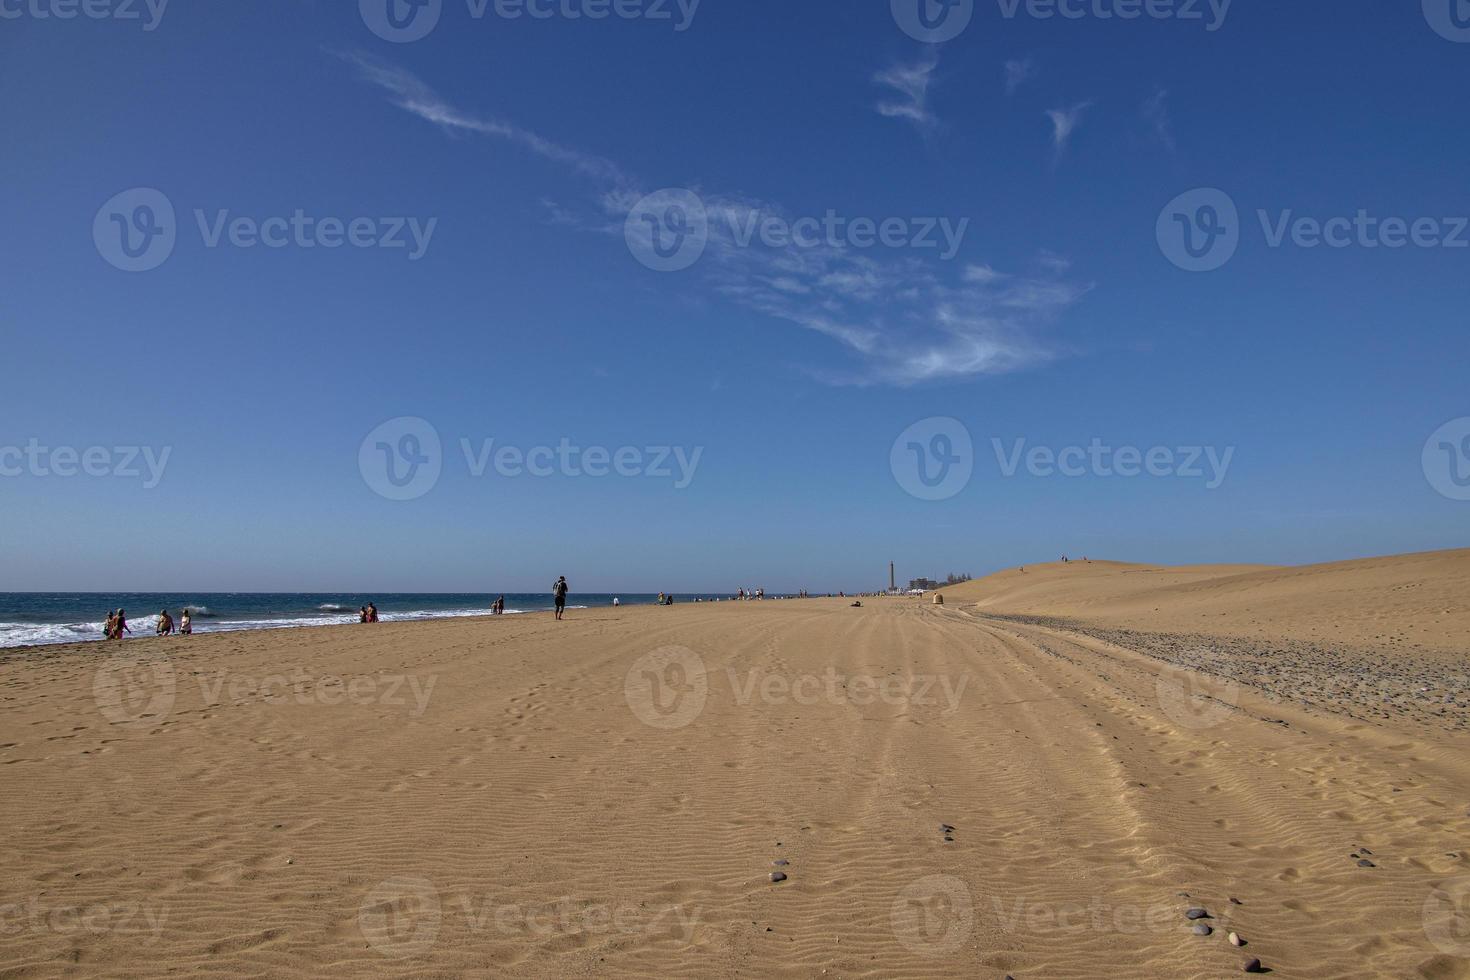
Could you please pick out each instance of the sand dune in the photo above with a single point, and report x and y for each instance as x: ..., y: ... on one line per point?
x: 610, y: 796
x: 1414, y: 600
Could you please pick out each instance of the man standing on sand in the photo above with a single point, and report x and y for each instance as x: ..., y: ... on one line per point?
x: 559, y: 594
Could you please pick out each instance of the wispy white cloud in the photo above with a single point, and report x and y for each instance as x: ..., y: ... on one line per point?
x: 911, y: 83
x: 902, y: 319
x: 1018, y: 73
x: 982, y: 274
x: 1155, y: 112
x: 407, y: 92
x: 1064, y: 122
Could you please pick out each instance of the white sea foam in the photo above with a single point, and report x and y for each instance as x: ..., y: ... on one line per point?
x: 45, y: 634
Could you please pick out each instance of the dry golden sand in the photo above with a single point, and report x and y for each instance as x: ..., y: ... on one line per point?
x: 606, y: 795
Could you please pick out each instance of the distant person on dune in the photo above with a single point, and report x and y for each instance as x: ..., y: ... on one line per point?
x: 559, y: 595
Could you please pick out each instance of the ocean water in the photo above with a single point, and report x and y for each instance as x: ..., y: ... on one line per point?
x: 35, y: 618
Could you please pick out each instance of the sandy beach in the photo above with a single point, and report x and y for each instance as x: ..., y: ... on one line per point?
x: 1039, y: 778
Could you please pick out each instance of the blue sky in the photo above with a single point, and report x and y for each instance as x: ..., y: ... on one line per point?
x: 524, y: 144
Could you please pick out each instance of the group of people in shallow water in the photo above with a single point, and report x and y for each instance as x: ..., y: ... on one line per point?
x: 117, y: 624
x: 117, y: 620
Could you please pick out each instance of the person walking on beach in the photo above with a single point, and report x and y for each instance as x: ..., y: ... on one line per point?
x: 120, y: 625
x: 372, y: 613
x: 186, y: 624
x: 559, y: 595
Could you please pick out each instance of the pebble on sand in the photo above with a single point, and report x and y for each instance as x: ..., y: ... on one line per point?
x: 1253, y: 966
x: 1202, y: 930
x: 1365, y: 863
x: 781, y: 862
x: 1196, y: 913
x: 1235, y: 939
x: 778, y: 876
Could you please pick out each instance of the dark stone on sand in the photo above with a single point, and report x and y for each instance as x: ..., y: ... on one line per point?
x: 1236, y: 901
x: 781, y: 863
x: 1253, y: 966
x: 1365, y: 863
x: 1196, y: 913
x: 777, y: 876
x: 945, y: 828
x: 1202, y: 930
